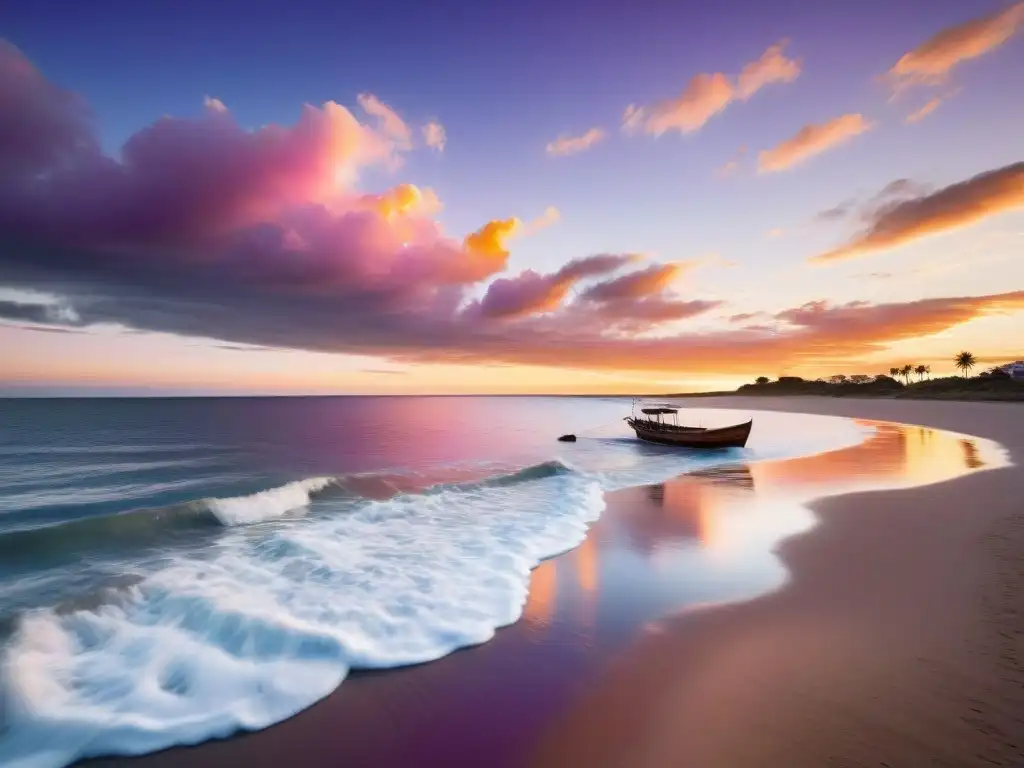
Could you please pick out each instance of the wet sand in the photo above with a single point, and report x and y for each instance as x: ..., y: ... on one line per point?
x: 893, y: 635
x: 897, y: 642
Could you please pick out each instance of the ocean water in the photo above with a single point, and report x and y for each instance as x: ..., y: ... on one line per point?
x: 175, y: 570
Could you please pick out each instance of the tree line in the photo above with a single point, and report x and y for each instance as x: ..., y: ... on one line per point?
x: 964, y: 362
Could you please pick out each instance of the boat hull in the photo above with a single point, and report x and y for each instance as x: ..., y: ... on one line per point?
x: 693, y: 437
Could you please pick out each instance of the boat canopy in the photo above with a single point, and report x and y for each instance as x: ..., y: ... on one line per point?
x: 658, y: 411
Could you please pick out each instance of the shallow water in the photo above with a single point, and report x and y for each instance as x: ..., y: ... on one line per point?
x: 284, y: 543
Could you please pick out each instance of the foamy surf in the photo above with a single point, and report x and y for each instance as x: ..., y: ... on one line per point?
x: 246, y: 633
x: 267, y: 505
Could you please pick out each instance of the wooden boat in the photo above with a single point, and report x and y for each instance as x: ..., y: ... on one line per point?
x: 655, y: 429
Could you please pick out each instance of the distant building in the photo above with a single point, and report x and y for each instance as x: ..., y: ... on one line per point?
x: 1015, y: 370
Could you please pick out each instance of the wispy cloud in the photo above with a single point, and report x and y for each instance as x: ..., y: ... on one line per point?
x: 773, y: 67
x: 838, y: 212
x: 243, y: 347
x: 920, y: 114
x: 435, y: 136
x: 570, y: 145
x: 388, y: 121
x: 811, y: 140
x: 732, y: 165
x: 958, y: 205
x: 932, y: 61
x: 550, y: 217
x: 867, y: 208
x: 706, y: 95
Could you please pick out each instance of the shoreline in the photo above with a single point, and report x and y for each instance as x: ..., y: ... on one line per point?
x: 572, y: 732
x: 912, y: 659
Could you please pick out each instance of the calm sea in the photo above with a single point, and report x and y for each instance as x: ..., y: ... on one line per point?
x: 172, y: 570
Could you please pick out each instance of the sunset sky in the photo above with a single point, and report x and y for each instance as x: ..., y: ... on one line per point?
x: 315, y: 197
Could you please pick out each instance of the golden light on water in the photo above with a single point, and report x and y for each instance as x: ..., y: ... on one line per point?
x: 728, y: 517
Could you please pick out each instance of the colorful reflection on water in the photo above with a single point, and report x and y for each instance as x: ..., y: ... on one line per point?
x: 709, y: 537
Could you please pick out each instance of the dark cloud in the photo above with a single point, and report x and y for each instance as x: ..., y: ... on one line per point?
x: 43, y: 314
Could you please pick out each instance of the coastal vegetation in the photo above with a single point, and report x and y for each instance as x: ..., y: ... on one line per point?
x: 992, y: 384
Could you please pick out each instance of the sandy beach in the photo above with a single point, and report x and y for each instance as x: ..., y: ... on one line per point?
x: 897, y: 642
x: 895, y: 639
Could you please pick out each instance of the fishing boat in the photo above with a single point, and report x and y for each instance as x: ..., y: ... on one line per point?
x: 660, y: 424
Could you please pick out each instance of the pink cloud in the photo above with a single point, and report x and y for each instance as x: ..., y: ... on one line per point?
x: 42, y: 126
x: 435, y: 136
x: 271, y: 207
x: 570, y: 145
x: 388, y: 121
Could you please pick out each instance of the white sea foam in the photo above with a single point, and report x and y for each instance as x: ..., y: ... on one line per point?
x: 267, y: 505
x: 262, y: 625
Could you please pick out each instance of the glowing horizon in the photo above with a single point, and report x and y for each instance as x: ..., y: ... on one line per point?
x: 660, y: 221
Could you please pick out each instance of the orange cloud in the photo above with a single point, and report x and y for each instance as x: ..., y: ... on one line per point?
x: 955, y: 206
x: 435, y: 136
x: 403, y: 200
x: 931, y: 62
x: 920, y: 114
x: 489, y: 242
x: 706, y: 95
x: 570, y: 145
x: 859, y: 321
x: 772, y: 67
x: 811, y: 140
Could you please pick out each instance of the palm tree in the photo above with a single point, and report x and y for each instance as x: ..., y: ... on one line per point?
x: 964, y: 361
x: 894, y: 372
x: 905, y: 372
x: 927, y: 370
x: 921, y: 370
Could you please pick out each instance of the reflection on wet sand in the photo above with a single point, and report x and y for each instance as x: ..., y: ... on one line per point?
x: 896, y: 455
x: 708, y: 536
